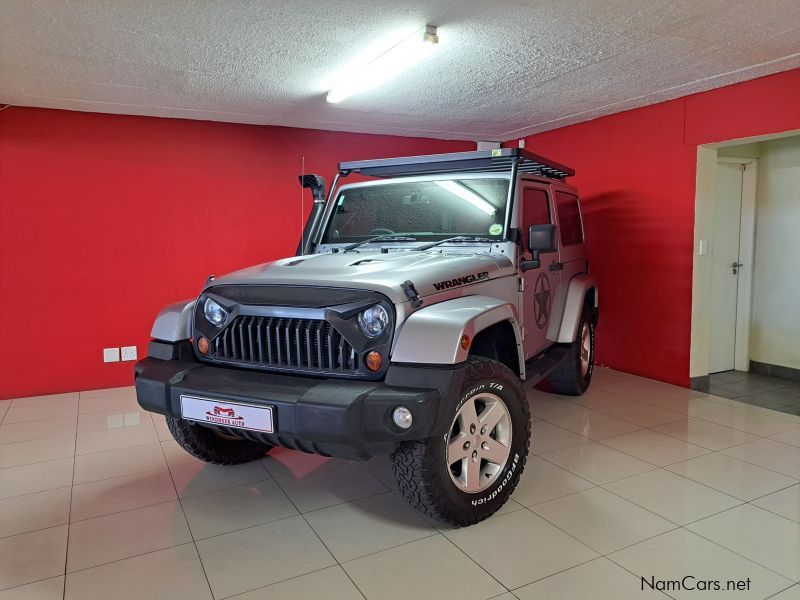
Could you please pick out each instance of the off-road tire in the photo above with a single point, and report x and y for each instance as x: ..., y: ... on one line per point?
x: 568, y: 377
x: 207, y: 445
x: 421, y: 466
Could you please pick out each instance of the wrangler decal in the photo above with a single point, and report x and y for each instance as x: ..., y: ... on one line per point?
x: 459, y: 281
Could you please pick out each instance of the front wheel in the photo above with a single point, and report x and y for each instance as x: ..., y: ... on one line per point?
x: 573, y: 376
x: 212, y: 446
x: 467, y: 474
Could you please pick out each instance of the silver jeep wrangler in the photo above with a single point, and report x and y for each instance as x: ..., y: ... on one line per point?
x: 418, y: 304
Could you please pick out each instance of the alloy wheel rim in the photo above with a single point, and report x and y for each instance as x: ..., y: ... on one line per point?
x: 586, y: 349
x: 479, y: 442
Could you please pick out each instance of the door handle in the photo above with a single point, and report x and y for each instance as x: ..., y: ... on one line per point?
x: 556, y: 266
x: 735, y: 266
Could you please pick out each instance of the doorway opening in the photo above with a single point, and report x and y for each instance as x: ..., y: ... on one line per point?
x: 744, y: 289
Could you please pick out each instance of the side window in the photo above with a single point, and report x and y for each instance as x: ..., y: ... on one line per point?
x: 569, y: 219
x: 535, y: 209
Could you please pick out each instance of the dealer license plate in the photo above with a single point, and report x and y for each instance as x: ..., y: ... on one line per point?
x: 228, y: 414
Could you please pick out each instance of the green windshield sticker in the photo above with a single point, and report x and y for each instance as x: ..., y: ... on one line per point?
x: 496, y: 229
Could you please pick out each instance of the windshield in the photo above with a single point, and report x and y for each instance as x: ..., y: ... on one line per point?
x: 422, y: 210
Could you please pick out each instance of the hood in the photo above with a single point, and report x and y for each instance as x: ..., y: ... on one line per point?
x: 430, y: 272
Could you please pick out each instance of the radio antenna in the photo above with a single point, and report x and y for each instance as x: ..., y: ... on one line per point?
x: 302, y: 207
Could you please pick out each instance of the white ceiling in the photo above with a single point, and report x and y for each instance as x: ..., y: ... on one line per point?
x: 503, y: 69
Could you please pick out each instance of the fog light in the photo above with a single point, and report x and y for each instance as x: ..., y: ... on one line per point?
x: 202, y: 345
x: 402, y: 417
x: 374, y: 361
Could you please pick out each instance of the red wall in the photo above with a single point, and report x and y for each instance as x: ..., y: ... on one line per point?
x: 636, y: 173
x: 104, y: 219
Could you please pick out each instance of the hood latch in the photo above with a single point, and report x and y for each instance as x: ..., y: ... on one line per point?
x: 411, y: 293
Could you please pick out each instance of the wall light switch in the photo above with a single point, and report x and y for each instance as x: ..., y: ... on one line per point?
x: 702, y: 249
x: 522, y: 143
x: 110, y: 355
x: 129, y: 353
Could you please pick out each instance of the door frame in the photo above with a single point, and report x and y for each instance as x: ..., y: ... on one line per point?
x: 747, y: 230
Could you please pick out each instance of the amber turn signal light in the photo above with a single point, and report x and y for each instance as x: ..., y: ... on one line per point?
x: 202, y: 345
x: 374, y: 361
x: 466, y: 342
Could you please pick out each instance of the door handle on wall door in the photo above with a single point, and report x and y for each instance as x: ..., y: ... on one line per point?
x: 735, y: 266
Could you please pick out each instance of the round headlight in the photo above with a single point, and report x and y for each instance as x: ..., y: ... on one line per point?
x: 373, y: 321
x: 214, y: 313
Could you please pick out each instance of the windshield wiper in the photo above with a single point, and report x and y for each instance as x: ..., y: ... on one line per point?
x: 458, y: 238
x: 380, y: 238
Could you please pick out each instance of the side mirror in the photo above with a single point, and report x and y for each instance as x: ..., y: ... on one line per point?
x: 541, y: 240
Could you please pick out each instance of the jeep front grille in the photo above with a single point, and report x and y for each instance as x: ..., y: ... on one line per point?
x: 296, y: 344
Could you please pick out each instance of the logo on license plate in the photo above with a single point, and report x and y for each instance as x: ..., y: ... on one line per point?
x: 225, y: 415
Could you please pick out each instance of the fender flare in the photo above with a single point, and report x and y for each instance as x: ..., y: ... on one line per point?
x: 579, y: 286
x: 174, y: 322
x: 432, y: 335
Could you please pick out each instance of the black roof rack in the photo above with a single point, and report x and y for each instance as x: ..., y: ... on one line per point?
x: 481, y: 161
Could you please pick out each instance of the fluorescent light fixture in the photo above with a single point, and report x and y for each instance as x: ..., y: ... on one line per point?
x: 467, y: 194
x: 394, y: 61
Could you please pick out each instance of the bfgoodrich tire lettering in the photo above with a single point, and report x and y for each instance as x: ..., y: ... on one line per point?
x: 421, y: 467
x: 204, y: 443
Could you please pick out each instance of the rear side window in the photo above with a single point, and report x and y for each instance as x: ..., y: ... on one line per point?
x: 569, y: 219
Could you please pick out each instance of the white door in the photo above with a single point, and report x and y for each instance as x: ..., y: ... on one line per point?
x: 725, y: 266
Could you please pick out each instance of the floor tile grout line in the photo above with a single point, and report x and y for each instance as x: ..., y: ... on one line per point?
x: 333, y: 556
x: 757, y: 507
x: 477, y: 564
x: 115, y: 449
x: 188, y: 526
x: 21, y: 585
x: 783, y: 590
x: 264, y: 587
x: 763, y: 467
x: 740, y: 501
x: 600, y: 552
x: 654, y: 468
x: 124, y: 510
x: 600, y: 441
x: 33, y: 420
x: 112, y: 562
x: 636, y: 575
x: 69, y: 513
x: 737, y: 553
x: 670, y: 464
x: 60, y: 487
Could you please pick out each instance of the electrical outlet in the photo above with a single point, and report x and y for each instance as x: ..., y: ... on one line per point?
x: 110, y: 355
x: 129, y: 353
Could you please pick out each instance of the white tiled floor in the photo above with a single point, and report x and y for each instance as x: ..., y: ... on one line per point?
x: 635, y: 478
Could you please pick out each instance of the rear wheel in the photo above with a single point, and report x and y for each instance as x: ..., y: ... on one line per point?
x: 213, y: 446
x: 573, y: 376
x: 467, y: 474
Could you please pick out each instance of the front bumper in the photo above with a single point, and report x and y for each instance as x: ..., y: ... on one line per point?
x: 333, y: 417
